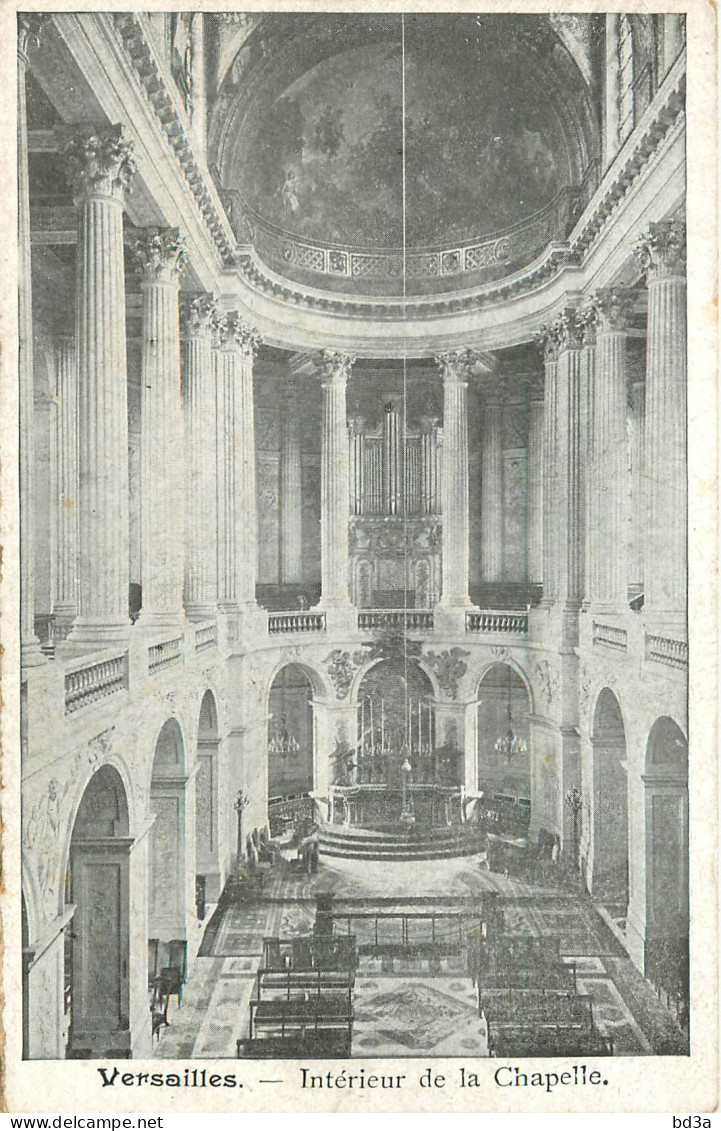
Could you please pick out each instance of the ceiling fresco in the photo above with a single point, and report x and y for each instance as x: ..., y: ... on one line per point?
x: 322, y: 158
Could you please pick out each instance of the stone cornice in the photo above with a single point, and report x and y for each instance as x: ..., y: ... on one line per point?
x: 173, y: 122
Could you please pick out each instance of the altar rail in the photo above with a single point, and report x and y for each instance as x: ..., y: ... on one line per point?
x: 666, y: 651
x: 416, y: 619
x: 86, y: 685
x: 488, y: 621
x: 610, y: 636
x: 295, y: 622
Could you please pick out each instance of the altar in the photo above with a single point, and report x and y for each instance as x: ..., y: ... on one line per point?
x: 380, y: 806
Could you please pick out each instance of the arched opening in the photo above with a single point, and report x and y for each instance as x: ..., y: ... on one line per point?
x: 170, y: 870
x: 97, y: 940
x: 396, y: 721
x: 504, y: 742
x: 608, y: 867
x: 290, y: 733
x: 207, y: 879
x: 667, y: 909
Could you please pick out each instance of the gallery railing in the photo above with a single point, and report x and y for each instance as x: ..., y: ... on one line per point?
x: 666, y: 651
x: 295, y: 622
x: 416, y: 619
x: 90, y: 682
x: 488, y: 621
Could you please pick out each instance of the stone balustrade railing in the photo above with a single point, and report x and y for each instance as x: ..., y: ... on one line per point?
x: 295, y: 622
x: 165, y: 653
x: 666, y: 651
x: 206, y: 636
x: 416, y: 619
x: 95, y: 680
x: 610, y: 636
x: 486, y: 620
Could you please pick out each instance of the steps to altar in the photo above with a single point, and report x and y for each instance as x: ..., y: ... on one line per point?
x: 393, y: 843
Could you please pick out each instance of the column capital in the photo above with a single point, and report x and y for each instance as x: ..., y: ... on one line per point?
x: 335, y: 366
x: 612, y: 308
x: 160, y: 255
x: 548, y: 342
x: 357, y: 425
x: 661, y: 250
x: 454, y: 366
x: 233, y: 332
x: 569, y: 327
x: 29, y: 29
x: 99, y: 160
x: 429, y: 424
x: 198, y: 314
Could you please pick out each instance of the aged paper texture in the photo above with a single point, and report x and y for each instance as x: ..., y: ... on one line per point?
x: 359, y: 545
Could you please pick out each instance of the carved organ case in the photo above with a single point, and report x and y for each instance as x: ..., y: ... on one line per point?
x: 395, y: 523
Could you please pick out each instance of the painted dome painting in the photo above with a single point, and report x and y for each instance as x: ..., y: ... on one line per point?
x: 327, y: 152
x: 451, y: 136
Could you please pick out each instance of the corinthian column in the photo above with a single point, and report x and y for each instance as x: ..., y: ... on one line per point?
x: 291, y: 496
x: 454, y: 480
x: 335, y: 370
x: 548, y: 342
x: 568, y: 500
x: 201, y: 563
x: 101, y: 168
x: 492, y: 486
x: 247, y: 341
x: 534, y: 564
x: 65, y: 594
x: 663, y: 258
x: 608, y: 487
x: 28, y: 32
x: 160, y: 257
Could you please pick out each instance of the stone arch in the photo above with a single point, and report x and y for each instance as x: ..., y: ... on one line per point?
x: 318, y: 681
x: 208, y: 880
x: 667, y: 857
x: 505, y: 704
x: 396, y: 720
x: 171, y: 864
x: 368, y: 665
x: 608, y: 858
x: 291, y: 731
x: 510, y: 661
x: 97, y: 955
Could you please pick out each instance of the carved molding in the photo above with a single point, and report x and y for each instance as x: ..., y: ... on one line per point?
x: 336, y: 365
x: 613, y: 307
x: 548, y: 681
x: 448, y: 667
x: 233, y: 332
x: 454, y: 365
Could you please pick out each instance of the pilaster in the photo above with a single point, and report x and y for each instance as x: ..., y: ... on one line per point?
x: 454, y: 482
x: 335, y: 369
x: 291, y: 496
x: 492, y: 486
x: 65, y: 594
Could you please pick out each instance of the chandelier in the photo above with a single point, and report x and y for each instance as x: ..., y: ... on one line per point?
x: 510, y: 745
x: 281, y: 743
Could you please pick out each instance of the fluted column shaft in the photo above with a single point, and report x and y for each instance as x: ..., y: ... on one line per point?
x: 28, y: 31
x: 588, y: 445
x: 454, y: 481
x: 492, y: 491
x: 665, y: 469
x: 65, y: 588
x: 335, y: 368
x: 429, y: 458
x: 535, y: 465
x: 549, y: 345
x: 291, y: 498
x: 608, y: 573
x: 101, y: 167
x: 356, y: 440
x: 226, y: 511
x: 637, y: 517
x: 160, y: 257
x: 246, y: 537
x: 199, y: 399
x: 568, y: 447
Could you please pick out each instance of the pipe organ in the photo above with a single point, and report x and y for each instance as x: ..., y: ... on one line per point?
x: 395, y: 527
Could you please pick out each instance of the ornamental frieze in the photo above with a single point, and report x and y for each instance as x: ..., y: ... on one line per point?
x: 383, y: 535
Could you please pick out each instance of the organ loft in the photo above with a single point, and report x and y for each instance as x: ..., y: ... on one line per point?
x: 353, y: 538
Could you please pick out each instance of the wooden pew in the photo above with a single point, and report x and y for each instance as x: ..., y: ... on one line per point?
x: 285, y: 984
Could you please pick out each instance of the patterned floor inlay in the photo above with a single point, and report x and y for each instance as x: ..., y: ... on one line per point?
x: 404, y: 1006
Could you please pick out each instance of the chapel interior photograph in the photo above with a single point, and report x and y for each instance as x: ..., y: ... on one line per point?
x: 353, y: 547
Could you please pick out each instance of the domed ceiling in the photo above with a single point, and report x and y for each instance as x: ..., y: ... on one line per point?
x: 458, y: 134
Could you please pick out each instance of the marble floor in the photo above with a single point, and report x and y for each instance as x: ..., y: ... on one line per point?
x: 410, y: 1011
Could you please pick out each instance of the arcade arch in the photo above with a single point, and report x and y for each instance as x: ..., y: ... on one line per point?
x: 207, y: 830
x: 667, y: 893
x: 608, y: 869
x: 97, y: 942
x: 290, y: 733
x: 172, y: 851
x: 503, y: 711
